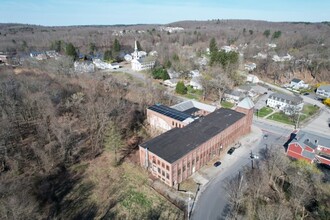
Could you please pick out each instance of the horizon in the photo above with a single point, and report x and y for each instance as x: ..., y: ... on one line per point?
x: 146, y: 12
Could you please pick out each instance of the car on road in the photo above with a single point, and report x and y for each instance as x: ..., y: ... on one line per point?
x: 216, y: 164
x: 306, y: 93
x: 231, y: 151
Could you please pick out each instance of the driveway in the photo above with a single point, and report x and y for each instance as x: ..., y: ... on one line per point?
x: 320, y: 124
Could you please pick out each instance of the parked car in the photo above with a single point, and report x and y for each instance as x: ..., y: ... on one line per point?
x: 306, y: 93
x: 231, y: 150
x: 216, y: 164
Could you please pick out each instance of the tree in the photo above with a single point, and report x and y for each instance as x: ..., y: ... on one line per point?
x: 116, y: 46
x: 276, y: 34
x: 92, y: 48
x: 108, y: 55
x: 160, y: 73
x: 251, y: 32
x: 213, y: 51
x: 181, y: 88
x: 70, y: 50
x: 57, y: 46
x: 138, y: 45
x: 326, y: 101
x: 267, y: 33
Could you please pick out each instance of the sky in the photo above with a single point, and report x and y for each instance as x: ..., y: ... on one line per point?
x: 109, y: 12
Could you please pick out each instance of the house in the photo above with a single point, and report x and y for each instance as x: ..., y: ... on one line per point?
x: 38, y: 55
x: 298, y: 84
x: 310, y: 147
x: 252, y: 78
x: 233, y: 96
x: 171, y: 82
x: 195, y: 83
x: 272, y: 45
x: 286, y: 103
x: 230, y: 48
x: 173, y: 74
x: 194, y: 73
x: 261, y: 56
x: 287, y: 57
x: 324, y: 91
x: 172, y: 29
x: 140, y: 61
x: 178, y: 153
x: 4, y: 58
x: 250, y: 66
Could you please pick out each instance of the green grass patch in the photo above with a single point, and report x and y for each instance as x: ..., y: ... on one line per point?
x: 225, y: 104
x: 135, y: 199
x: 263, y: 112
x: 310, y: 109
x: 281, y: 117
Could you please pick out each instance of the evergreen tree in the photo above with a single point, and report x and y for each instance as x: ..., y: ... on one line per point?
x: 267, y: 33
x: 70, y: 50
x: 108, y: 55
x: 116, y: 46
x: 181, y: 88
x: 138, y: 46
x: 213, y: 46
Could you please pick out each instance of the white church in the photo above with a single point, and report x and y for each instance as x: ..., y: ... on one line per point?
x: 140, y: 61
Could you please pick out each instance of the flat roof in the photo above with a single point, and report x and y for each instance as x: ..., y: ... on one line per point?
x: 175, y: 143
x: 170, y: 112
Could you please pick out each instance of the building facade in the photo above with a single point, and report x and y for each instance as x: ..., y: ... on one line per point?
x: 176, y: 154
x: 139, y: 60
x: 286, y: 103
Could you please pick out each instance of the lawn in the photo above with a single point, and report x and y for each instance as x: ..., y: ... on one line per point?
x: 281, y: 117
x: 225, y: 104
x: 310, y: 109
x: 263, y: 112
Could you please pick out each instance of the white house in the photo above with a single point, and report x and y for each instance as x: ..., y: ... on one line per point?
x: 298, y: 84
x: 194, y: 73
x: 260, y: 56
x: 286, y: 103
x: 140, y: 61
x: 250, y: 66
x: 252, y: 78
x: 195, y: 83
x: 229, y: 48
x: 324, y: 91
x: 171, y: 82
x: 233, y: 96
x: 272, y: 45
x: 276, y: 58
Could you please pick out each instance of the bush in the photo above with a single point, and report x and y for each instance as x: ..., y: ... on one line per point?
x: 181, y: 88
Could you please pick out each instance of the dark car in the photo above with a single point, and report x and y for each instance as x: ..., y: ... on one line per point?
x: 306, y: 93
x: 231, y: 150
x: 216, y: 164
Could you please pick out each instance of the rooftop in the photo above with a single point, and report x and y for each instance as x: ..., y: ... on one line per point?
x: 325, y: 87
x: 170, y: 112
x: 286, y: 98
x: 190, y: 104
x: 175, y: 143
x: 311, y: 140
x: 295, y: 80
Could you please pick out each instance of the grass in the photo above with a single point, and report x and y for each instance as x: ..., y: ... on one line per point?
x: 281, y: 117
x: 310, y: 110
x: 225, y: 104
x: 263, y: 112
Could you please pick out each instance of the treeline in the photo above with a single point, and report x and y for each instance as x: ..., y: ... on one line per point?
x: 278, y: 188
x: 48, y: 123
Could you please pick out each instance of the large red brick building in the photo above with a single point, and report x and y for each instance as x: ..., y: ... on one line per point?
x: 176, y: 154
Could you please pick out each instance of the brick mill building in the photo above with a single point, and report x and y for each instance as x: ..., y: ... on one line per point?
x: 182, y: 150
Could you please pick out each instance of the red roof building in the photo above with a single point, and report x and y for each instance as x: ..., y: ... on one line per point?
x: 310, y: 147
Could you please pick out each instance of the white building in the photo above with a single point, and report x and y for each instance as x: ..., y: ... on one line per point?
x: 250, y: 66
x: 195, y: 83
x: 140, y: 61
x: 252, y: 78
x: 229, y: 48
x: 286, y: 103
x: 272, y: 45
x: 171, y: 82
x: 128, y: 57
x: 298, y: 84
x: 261, y: 56
x: 324, y: 91
x: 233, y: 96
x: 276, y: 58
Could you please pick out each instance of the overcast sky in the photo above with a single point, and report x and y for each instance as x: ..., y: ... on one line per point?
x: 108, y: 12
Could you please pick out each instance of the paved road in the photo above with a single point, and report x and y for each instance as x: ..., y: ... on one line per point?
x: 212, y: 200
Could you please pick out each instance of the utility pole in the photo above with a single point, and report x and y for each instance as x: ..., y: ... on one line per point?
x: 251, y: 156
